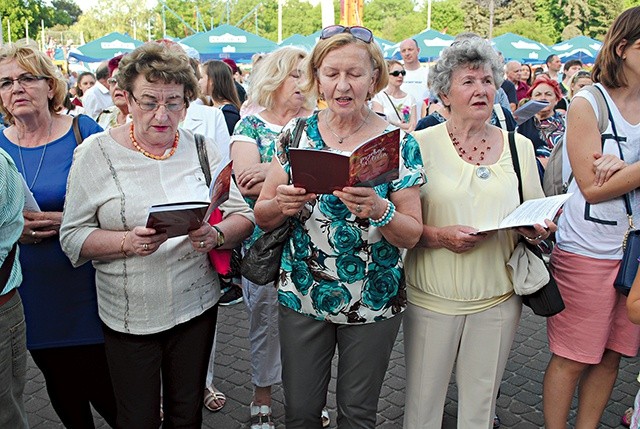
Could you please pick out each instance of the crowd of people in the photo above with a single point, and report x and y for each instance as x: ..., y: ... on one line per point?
x: 122, y: 317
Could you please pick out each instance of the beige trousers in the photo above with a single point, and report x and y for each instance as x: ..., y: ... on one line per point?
x: 478, y: 344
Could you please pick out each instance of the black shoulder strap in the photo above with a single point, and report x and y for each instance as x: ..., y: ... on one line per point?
x: 516, y: 163
x: 203, y: 157
x: 297, y: 132
x: 76, y: 130
x: 7, y: 265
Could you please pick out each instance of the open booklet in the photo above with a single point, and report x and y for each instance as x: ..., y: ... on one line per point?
x: 528, y: 110
x: 179, y: 218
x: 532, y: 212
x: 323, y: 171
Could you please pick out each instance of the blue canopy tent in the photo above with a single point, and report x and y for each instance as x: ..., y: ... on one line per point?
x: 298, y: 40
x: 581, y: 48
x: 518, y: 48
x: 227, y: 41
x: 104, y: 48
x: 431, y: 43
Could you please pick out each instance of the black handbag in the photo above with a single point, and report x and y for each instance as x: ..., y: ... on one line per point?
x: 547, y: 301
x: 261, y: 263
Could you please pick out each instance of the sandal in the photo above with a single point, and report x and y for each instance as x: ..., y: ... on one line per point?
x: 326, y: 420
x: 261, y: 417
x: 625, y: 420
x: 214, y: 399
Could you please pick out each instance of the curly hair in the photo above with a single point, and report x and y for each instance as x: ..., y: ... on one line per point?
x: 36, y: 62
x: 158, y: 63
x: 468, y: 51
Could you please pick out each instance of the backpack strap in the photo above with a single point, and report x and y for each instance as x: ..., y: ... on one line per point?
x: 203, y: 157
x: 76, y: 130
x: 500, y: 114
x: 602, y: 106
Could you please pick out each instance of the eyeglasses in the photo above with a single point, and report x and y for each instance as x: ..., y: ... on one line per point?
x: 360, y: 33
x: 583, y: 73
x: 112, y: 81
x: 26, y: 81
x: 397, y: 73
x: 149, y: 106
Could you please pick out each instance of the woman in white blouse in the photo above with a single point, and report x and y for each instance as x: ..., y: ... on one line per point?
x: 157, y: 296
x: 398, y: 106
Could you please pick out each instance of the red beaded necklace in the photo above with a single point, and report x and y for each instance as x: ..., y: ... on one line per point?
x: 150, y: 155
x: 476, y: 151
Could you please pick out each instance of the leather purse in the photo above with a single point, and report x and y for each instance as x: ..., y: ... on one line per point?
x: 631, y: 253
x: 547, y: 301
x: 261, y: 263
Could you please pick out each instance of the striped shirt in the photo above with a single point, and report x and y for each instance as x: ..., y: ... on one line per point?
x: 11, y: 220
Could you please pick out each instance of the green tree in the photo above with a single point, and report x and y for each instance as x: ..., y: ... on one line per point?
x: 65, y: 12
x: 394, y: 20
x: 447, y: 17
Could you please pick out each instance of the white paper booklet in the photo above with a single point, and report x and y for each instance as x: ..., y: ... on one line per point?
x: 527, y: 110
x: 30, y: 203
x: 532, y: 212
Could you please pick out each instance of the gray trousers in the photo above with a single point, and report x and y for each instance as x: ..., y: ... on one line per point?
x: 308, y: 346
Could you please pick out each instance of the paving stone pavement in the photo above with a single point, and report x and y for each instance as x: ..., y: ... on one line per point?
x: 519, y: 405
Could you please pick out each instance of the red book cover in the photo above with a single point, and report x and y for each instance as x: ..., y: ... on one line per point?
x: 178, y: 219
x: 373, y: 162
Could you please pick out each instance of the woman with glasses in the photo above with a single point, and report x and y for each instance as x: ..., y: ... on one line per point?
x: 64, y: 334
x: 341, y: 280
x: 398, y: 107
x: 157, y: 295
x: 276, y: 87
x: 117, y: 114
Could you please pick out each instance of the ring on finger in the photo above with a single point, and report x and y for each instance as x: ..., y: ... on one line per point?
x: 145, y: 246
x: 358, y: 208
x: 201, y: 245
x: 33, y: 233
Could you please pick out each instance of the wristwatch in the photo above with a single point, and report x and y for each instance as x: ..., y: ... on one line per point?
x: 220, y: 237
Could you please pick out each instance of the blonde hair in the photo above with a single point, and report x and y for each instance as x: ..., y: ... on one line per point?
x: 271, y: 73
x: 324, y: 46
x: 36, y: 62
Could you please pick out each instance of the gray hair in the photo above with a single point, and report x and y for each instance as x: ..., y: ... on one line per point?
x: 472, y: 51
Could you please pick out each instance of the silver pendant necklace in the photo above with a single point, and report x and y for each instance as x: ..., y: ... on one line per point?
x: 44, y: 151
x: 341, y: 139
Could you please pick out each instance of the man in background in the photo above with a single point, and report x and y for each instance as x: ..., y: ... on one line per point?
x: 97, y: 98
x: 415, y: 81
x: 13, y: 340
x: 510, y: 83
x: 553, y: 67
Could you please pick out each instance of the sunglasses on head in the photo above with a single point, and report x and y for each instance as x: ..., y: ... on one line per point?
x: 397, y: 73
x: 583, y: 73
x: 360, y: 33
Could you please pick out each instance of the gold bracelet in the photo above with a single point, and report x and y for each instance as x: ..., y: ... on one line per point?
x: 124, y: 237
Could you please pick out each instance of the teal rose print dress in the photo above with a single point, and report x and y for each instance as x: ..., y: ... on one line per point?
x: 254, y: 129
x: 336, y: 266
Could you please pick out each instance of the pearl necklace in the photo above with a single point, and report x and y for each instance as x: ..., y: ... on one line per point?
x: 341, y: 139
x: 44, y: 151
x: 470, y: 156
x: 150, y: 155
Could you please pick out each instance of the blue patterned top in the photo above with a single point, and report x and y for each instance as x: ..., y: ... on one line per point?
x: 254, y: 129
x: 336, y: 266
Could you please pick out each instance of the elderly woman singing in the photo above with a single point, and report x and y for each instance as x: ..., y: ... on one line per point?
x: 157, y: 297
x: 342, y: 281
x: 462, y: 308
